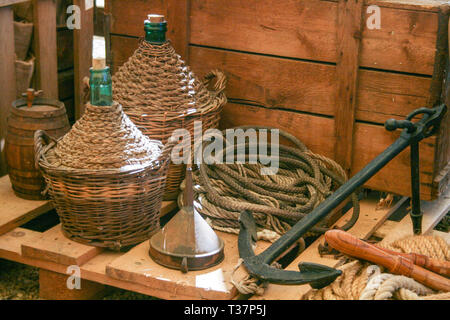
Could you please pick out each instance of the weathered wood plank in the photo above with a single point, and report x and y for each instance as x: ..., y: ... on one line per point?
x: 298, y: 85
x: 136, y: 266
x: 5, y: 3
x: 45, y: 47
x: 8, y: 75
x: 389, y: 226
x: 317, y: 133
x: 304, y: 86
x: 65, y: 84
x: 441, y: 57
x: 442, y: 163
x: 301, y: 29
x: 53, y: 246
x: 307, y: 30
x: 53, y: 286
x: 178, y: 25
x: 15, y: 211
x: 11, y: 242
x: 122, y: 48
x: 65, y: 48
x: 349, y: 29
x: 385, y: 229
x: 371, y: 140
x: 427, y: 5
x: 83, y: 39
x: 128, y: 19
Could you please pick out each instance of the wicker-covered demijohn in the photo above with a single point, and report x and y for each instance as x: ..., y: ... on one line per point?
x: 160, y: 94
x: 105, y: 177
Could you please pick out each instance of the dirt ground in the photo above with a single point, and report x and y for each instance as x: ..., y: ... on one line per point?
x: 21, y: 282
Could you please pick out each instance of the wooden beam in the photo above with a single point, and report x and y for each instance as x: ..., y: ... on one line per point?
x: 15, y: 211
x: 440, y: 93
x: 348, y: 48
x: 53, y: 286
x: 6, y: 3
x: 45, y: 47
x: 83, y: 38
x: 441, y: 58
x: 8, y: 75
x: 177, y: 16
x: 52, y: 245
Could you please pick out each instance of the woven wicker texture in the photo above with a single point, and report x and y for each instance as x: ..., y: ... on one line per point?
x: 160, y: 94
x: 105, y: 178
x: 104, y: 138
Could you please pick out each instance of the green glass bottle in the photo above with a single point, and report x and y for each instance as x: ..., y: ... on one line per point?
x: 100, y: 84
x: 155, y: 29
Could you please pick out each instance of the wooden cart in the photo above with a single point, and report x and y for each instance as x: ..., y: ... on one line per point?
x: 58, y: 258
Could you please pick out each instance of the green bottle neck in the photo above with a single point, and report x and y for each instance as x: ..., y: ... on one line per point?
x: 100, y: 83
x: 155, y: 33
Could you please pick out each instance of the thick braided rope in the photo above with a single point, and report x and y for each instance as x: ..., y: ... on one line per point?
x: 104, y: 138
x: 360, y: 280
x: 277, y: 201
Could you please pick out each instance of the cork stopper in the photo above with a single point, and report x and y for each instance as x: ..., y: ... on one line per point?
x: 98, y: 63
x: 156, y: 18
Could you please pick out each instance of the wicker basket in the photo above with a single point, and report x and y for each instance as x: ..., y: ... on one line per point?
x: 112, y: 199
x: 160, y: 94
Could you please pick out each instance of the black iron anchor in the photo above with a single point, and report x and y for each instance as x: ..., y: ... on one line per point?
x: 319, y: 276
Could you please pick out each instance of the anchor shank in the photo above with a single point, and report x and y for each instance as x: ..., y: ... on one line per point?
x: 317, y: 275
x: 310, y: 220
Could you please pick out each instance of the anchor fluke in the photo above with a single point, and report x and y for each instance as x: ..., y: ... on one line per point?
x: 329, y: 274
x: 260, y: 267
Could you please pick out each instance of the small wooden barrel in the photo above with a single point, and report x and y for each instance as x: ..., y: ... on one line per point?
x: 45, y: 114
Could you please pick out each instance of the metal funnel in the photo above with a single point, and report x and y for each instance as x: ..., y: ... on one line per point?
x: 187, y: 242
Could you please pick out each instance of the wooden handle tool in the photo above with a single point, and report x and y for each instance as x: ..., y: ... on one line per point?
x: 437, y: 266
x: 396, y: 264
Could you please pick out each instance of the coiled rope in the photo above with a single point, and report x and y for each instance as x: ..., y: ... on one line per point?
x: 362, y: 281
x: 277, y: 201
x: 304, y: 179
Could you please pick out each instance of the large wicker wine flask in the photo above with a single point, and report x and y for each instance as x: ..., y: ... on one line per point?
x: 44, y: 114
x: 161, y: 94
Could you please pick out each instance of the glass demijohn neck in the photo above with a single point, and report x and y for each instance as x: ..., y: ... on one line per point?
x: 101, y: 86
x: 155, y: 29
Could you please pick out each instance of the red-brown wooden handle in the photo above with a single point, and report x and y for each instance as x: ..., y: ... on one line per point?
x: 437, y: 266
x: 396, y: 264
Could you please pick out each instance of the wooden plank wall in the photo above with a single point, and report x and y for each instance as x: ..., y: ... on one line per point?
x: 280, y: 60
x: 65, y: 59
x: 64, y: 53
x: 8, y: 75
x: 44, y: 35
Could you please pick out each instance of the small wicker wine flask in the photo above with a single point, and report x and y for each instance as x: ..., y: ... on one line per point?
x: 105, y: 177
